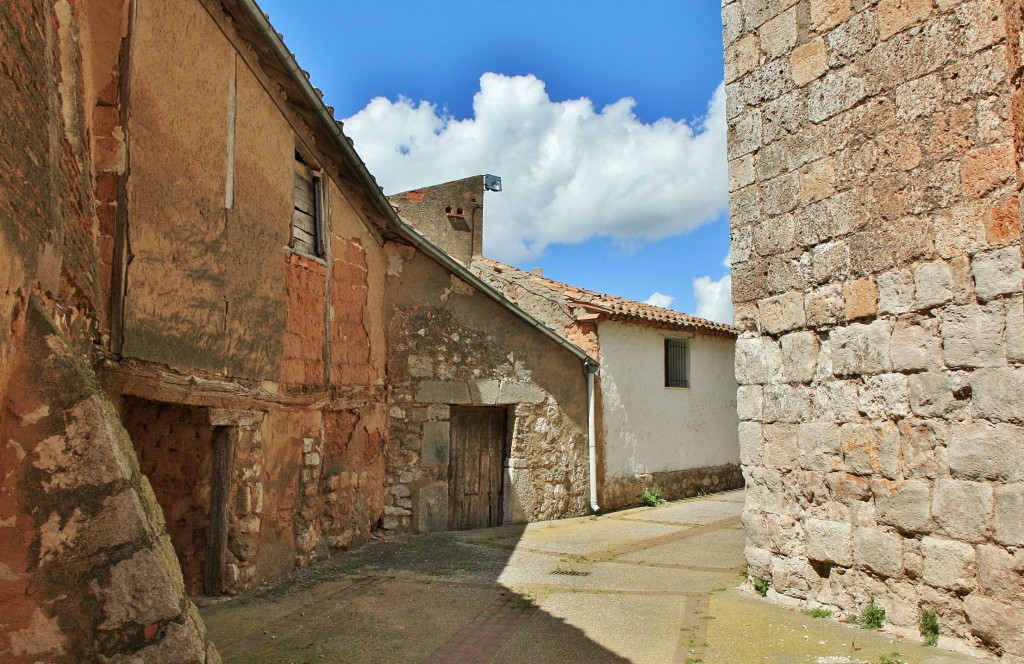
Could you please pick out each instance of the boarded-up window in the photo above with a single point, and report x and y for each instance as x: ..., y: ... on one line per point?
x: 307, y: 212
x: 677, y: 363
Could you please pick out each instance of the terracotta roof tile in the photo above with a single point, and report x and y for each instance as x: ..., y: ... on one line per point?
x: 611, y: 305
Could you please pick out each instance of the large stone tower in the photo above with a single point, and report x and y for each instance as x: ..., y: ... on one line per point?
x: 874, y: 151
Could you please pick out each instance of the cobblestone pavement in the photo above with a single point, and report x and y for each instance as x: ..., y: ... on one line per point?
x: 649, y: 585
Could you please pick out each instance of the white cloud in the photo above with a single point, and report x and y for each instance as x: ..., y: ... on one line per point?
x: 714, y: 298
x: 569, y: 171
x: 660, y: 300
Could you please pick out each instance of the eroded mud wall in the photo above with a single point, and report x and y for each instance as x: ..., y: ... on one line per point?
x: 877, y: 276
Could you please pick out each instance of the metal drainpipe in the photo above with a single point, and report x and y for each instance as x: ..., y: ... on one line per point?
x: 590, y: 370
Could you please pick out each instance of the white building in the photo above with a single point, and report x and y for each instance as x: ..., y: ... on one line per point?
x: 665, y: 392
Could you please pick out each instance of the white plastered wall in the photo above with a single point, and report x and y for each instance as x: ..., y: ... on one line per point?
x: 651, y: 428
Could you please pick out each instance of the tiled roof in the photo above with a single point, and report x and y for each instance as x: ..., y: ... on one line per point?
x: 610, y: 306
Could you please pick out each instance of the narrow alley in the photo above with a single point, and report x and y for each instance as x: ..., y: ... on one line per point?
x: 647, y: 585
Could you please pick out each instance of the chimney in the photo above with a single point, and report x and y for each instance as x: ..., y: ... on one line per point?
x: 538, y: 272
x: 450, y: 215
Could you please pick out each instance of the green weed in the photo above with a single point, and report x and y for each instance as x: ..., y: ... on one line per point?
x: 891, y: 658
x: 872, y: 617
x: 817, y: 613
x: 760, y: 586
x: 929, y: 627
x: 651, y: 496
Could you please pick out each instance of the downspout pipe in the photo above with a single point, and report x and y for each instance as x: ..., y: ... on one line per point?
x: 590, y: 370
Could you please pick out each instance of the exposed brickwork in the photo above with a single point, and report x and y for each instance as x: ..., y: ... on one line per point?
x: 174, y: 445
x: 350, y: 342
x: 877, y: 277
x: 302, y: 361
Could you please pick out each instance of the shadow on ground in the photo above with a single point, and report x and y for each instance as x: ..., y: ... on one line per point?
x: 427, y: 598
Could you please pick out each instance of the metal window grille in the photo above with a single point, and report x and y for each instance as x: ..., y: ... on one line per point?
x: 677, y: 363
x: 307, y: 212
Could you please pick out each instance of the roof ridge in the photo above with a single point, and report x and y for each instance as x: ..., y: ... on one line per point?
x: 618, y: 305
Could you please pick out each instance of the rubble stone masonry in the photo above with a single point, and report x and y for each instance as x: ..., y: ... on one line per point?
x: 876, y: 256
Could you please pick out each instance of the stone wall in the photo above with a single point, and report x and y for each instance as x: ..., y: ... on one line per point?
x: 877, y: 277
x: 449, y: 344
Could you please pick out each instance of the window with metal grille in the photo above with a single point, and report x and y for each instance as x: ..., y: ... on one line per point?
x: 677, y: 363
x: 307, y: 212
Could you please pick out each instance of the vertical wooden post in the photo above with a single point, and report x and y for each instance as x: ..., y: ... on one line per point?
x: 224, y: 442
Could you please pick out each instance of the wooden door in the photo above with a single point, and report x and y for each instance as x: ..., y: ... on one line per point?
x: 476, y: 467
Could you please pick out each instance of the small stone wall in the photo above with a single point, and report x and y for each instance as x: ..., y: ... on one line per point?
x: 877, y: 276
x: 450, y: 345
x: 620, y: 492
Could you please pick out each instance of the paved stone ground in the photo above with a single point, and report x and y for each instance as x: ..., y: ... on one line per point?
x: 651, y: 586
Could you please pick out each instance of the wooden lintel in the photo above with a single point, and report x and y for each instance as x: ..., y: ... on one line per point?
x: 230, y: 417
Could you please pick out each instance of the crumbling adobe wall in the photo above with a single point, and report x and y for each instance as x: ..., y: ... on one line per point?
x: 89, y: 571
x: 451, y: 345
x: 877, y: 277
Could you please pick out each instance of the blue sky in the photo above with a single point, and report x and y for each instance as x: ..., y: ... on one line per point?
x: 627, y: 199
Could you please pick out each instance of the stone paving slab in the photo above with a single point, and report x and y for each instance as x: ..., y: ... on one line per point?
x: 589, y: 536
x: 621, y: 625
x: 746, y: 628
x: 697, y: 512
x: 721, y: 549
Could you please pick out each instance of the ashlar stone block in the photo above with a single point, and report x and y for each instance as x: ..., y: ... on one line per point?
x: 437, y: 391
x: 895, y: 292
x: 972, y: 335
x: 1015, y: 329
x: 829, y: 541
x: 436, y: 443
x: 751, y: 443
x: 878, y: 551
x: 835, y: 400
x: 749, y: 402
x: 758, y: 360
x: 786, y: 403
x: 933, y: 284
x: 895, y: 15
x: 780, y: 446
x: 963, y: 510
x: 983, y: 451
x: 995, y: 622
x: 931, y: 394
x: 820, y: 446
x: 999, y: 393
x: 808, y: 61
x: 871, y: 449
x: 1009, y: 516
x: 949, y: 564
x: 884, y: 397
x: 799, y: 356
x: 860, y: 349
x: 997, y: 273
x: 916, y: 345
x: 905, y: 505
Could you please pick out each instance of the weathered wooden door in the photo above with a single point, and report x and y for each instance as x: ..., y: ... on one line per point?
x: 475, y: 467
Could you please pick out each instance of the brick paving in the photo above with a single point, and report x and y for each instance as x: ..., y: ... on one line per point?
x: 480, y: 639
